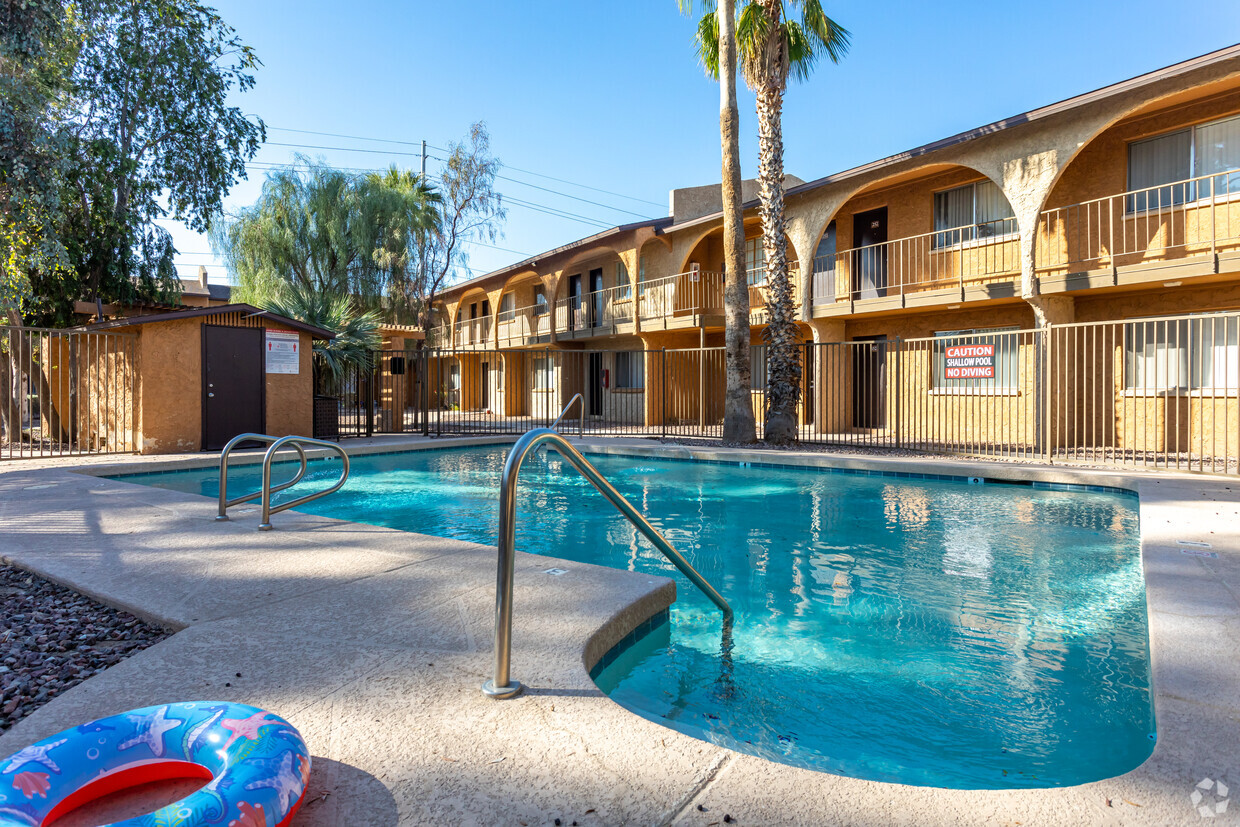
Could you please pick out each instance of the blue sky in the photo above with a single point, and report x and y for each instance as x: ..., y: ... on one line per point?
x: 610, y: 96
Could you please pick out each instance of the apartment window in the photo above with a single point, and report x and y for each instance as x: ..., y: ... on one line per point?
x: 1159, y: 168
x: 544, y: 373
x: 974, y: 211
x: 631, y: 369
x: 454, y: 377
x: 982, y: 359
x: 506, y: 311
x: 540, y: 301
x: 824, y: 254
x: 755, y: 261
x: 1197, y: 353
x: 624, y: 290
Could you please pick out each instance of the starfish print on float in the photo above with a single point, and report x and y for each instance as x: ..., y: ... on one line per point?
x: 35, y: 754
x: 288, y: 777
x: 150, y: 730
x: 246, y: 728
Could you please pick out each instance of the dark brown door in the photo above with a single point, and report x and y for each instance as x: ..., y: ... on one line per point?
x: 595, y: 395
x: 870, y: 382
x: 869, y: 266
x: 233, y: 391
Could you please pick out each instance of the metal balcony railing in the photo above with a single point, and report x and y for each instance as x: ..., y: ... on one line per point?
x: 598, y: 311
x: 949, y: 258
x: 523, y: 325
x: 1197, y: 217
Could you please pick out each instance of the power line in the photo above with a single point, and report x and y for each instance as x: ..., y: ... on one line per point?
x: 557, y: 192
x: 445, y: 160
x: 443, y: 149
x: 533, y: 205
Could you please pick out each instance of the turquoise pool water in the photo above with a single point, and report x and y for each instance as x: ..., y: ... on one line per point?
x: 920, y: 631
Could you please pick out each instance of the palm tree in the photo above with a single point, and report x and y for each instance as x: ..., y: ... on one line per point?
x: 738, y: 420
x: 357, y: 333
x: 773, y: 48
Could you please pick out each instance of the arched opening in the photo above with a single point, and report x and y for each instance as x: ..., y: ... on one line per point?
x: 593, y: 295
x: 472, y: 328
x: 699, y: 286
x: 524, y: 316
x: 942, y: 227
x: 1154, y: 195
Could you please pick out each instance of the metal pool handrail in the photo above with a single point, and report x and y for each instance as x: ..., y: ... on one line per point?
x: 501, y: 685
x: 581, y: 425
x: 268, y: 508
x: 226, y: 503
x: 267, y: 489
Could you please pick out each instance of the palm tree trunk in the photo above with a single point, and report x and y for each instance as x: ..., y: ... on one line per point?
x: 738, y: 418
x: 783, y: 390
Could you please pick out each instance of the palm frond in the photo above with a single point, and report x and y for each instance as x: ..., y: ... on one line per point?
x: 708, y: 43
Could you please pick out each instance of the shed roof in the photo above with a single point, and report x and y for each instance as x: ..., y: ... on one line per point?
x: 198, y: 312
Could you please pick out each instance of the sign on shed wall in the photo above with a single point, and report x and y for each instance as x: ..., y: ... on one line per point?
x: 283, y: 352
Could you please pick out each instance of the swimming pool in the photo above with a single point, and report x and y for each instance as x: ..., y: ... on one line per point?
x: 922, y: 631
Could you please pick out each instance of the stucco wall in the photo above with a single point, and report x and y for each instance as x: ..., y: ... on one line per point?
x: 290, y: 397
x: 170, y: 389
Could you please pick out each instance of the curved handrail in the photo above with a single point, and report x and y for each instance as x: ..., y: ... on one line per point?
x: 226, y: 503
x: 581, y: 425
x: 268, y: 508
x: 501, y: 685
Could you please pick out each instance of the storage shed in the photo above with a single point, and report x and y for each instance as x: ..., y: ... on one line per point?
x: 207, y: 374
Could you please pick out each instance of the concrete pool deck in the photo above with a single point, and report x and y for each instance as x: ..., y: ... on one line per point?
x: 374, y: 642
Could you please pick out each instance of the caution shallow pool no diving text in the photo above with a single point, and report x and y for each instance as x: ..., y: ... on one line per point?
x: 970, y: 362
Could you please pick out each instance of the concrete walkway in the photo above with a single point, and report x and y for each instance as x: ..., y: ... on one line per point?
x: 374, y: 642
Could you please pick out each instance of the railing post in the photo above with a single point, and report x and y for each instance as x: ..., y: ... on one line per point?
x: 899, y: 353
x: 663, y: 389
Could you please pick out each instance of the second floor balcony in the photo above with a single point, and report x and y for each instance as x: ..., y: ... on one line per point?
x: 1183, y: 229
x: 599, y: 313
x: 529, y: 325
x: 472, y: 334
x: 977, y: 261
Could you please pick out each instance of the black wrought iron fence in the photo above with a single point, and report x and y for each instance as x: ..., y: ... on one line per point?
x: 1158, y: 393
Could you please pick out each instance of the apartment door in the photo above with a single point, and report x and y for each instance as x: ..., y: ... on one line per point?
x: 870, y: 382
x: 869, y: 265
x: 484, y: 326
x: 596, y: 297
x: 574, y: 301
x: 485, y: 396
x: 595, y: 394
x: 233, y: 384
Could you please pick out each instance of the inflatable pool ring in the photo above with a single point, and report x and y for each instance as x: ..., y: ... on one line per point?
x: 256, y: 764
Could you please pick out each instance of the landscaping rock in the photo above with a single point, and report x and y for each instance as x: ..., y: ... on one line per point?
x: 52, y: 638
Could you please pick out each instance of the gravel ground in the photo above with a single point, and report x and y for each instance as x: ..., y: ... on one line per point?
x: 52, y: 638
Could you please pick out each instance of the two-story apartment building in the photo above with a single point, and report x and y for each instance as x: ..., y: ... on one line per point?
x: 1116, y: 205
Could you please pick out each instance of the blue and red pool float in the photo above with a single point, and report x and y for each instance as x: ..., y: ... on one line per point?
x: 256, y: 765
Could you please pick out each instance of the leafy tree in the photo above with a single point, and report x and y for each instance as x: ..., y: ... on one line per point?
x: 718, y: 54
x: 405, y: 214
x: 772, y: 48
x: 357, y: 330
x: 330, y: 232
x: 35, y: 57
x: 146, y: 131
x: 471, y: 211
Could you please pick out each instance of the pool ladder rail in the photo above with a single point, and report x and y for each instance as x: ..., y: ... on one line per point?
x: 581, y: 423
x: 267, y: 490
x: 501, y: 684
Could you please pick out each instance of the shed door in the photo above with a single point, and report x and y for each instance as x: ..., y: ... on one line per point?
x: 233, y: 386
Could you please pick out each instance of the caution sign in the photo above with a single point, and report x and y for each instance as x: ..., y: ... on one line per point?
x: 970, y: 362
x: 283, y: 352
